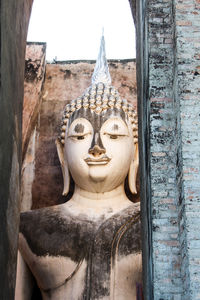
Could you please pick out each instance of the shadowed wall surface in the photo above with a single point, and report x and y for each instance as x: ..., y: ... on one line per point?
x: 14, y: 23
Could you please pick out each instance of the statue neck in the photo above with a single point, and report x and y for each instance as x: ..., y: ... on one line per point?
x: 115, y: 199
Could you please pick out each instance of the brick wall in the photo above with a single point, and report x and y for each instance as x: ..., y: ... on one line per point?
x: 173, y: 109
x: 163, y: 152
x: 188, y: 81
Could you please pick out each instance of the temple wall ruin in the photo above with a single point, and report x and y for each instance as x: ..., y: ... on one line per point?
x: 169, y: 141
x: 187, y: 36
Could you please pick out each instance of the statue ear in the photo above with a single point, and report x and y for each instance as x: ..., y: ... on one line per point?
x: 132, y: 174
x: 64, y: 167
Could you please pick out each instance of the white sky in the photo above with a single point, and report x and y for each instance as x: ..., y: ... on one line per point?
x: 72, y: 28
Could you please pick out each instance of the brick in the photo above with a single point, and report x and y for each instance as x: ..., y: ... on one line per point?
x: 183, y: 23
x: 159, y: 154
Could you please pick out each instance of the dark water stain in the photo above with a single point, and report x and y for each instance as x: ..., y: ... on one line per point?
x: 79, y: 128
x: 115, y: 127
x: 48, y: 232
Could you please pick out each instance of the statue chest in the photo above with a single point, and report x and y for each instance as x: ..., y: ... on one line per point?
x: 79, y: 257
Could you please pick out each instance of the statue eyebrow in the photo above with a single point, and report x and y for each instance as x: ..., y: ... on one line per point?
x: 79, y: 128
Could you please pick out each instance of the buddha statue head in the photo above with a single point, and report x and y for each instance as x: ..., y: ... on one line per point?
x: 98, y: 143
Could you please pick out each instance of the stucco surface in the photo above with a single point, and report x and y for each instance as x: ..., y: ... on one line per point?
x: 34, y: 77
x: 14, y: 23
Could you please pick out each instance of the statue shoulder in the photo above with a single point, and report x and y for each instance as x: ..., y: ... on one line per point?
x: 133, y: 210
x: 33, y: 219
x: 136, y: 207
x: 54, y: 231
x: 128, y: 237
x: 40, y: 226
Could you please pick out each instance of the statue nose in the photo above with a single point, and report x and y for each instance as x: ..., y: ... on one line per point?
x: 96, y: 150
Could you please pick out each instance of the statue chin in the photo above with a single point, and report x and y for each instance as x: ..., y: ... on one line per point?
x: 97, y: 174
x: 99, y: 179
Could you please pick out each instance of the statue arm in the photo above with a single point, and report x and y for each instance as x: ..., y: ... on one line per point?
x: 24, y: 280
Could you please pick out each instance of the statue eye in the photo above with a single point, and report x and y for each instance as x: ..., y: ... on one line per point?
x: 113, y: 137
x: 80, y: 137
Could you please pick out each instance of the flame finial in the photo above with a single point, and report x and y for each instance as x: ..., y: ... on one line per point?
x: 101, y: 71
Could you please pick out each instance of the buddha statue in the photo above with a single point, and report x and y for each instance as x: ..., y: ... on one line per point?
x: 89, y: 247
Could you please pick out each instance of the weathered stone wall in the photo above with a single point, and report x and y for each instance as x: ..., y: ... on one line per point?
x: 33, y: 83
x: 168, y: 35
x: 164, y: 141
x: 14, y: 22
x: 42, y: 178
x: 187, y: 18
x: 34, y: 78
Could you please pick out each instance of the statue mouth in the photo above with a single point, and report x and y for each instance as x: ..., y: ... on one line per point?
x: 103, y: 160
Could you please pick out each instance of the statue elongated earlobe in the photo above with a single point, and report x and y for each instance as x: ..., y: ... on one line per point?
x: 132, y: 174
x: 64, y: 167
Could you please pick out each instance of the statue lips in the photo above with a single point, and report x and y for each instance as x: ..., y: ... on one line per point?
x: 103, y: 160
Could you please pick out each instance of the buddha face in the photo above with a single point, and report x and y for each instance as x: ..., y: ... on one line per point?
x: 99, y: 150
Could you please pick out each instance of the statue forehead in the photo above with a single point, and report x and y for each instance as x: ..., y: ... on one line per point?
x: 97, y: 120
x: 98, y: 114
